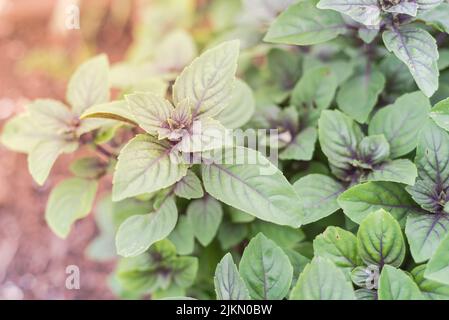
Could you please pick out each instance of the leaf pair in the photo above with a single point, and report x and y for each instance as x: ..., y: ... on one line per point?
x: 265, y: 273
x: 49, y: 128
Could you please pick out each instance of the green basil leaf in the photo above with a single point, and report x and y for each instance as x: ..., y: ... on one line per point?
x: 438, y: 266
x: 205, y: 217
x: 137, y: 233
x: 266, y: 269
x: 228, y: 283
x: 318, y: 194
x: 437, y: 17
x: 149, y: 110
x: 89, y: 85
x: 399, y: 170
x: 208, y: 81
x: 425, y: 232
x: 189, y: 187
x: 257, y: 187
x: 322, y: 280
x: 339, y: 246
x: 301, y: 147
x: 432, y: 160
x: 182, y: 236
x: 70, y: 200
x: 395, y: 284
x: 358, y: 96
x: 316, y: 89
x: 430, y: 289
x: 401, y: 122
x: 146, y: 165
x: 339, y: 137
x: 241, y: 107
x: 418, y: 50
x: 366, y: 12
x: 380, y: 240
x: 304, y: 24
x: 440, y: 114
x: 362, y: 199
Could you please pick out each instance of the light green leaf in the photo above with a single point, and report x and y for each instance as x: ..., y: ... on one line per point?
x: 430, y: 289
x: 301, y: 147
x: 322, y: 280
x: 437, y: 17
x: 358, y: 96
x: 208, y: 81
x: 366, y: 12
x: 432, y: 160
x: 395, y: 284
x: 440, y: 114
x: 137, y: 233
x: 339, y: 246
x: 44, y: 154
x: 266, y: 269
x: 89, y: 85
x: 401, y: 122
x: 362, y: 199
x: 70, y: 200
x: 304, y: 24
x: 380, y: 240
x: 182, y: 236
x: 318, y: 194
x: 20, y: 134
x: 438, y: 267
x: 400, y: 170
x: 205, y: 217
x: 285, y: 68
x: 146, y: 165
x: 189, y: 187
x: 149, y: 110
x: 418, y: 50
x: 339, y: 137
x: 316, y: 89
x: 51, y: 116
x: 246, y: 180
x: 116, y: 110
x: 228, y: 283
x: 241, y: 107
x: 425, y: 232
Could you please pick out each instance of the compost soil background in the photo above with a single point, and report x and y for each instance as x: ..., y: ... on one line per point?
x: 32, y: 258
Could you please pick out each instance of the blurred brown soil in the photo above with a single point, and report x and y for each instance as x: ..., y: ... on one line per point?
x: 33, y: 260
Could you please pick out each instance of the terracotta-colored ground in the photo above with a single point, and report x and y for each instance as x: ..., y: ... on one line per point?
x: 33, y: 260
